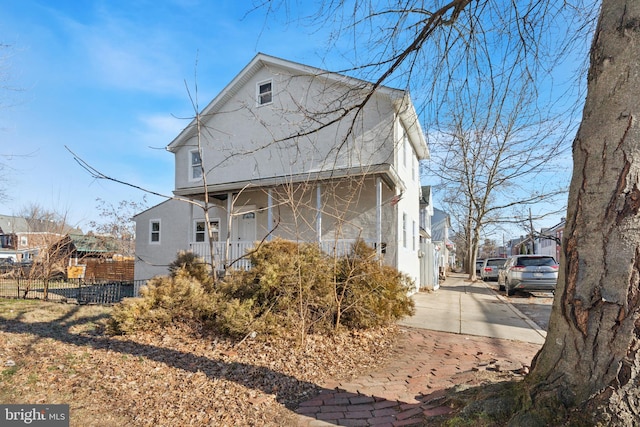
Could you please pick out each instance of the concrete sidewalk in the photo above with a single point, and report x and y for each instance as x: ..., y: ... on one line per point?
x: 462, y: 307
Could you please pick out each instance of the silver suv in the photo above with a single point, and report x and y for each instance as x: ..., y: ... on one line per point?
x: 491, y: 267
x: 528, y: 273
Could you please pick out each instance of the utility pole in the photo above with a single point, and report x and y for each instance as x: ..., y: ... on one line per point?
x: 533, y: 242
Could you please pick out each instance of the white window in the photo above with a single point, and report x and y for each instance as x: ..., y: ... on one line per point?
x: 414, y: 162
x: 414, y: 235
x: 404, y: 230
x: 154, y: 231
x: 265, y: 92
x: 200, y: 230
x: 195, y: 163
x: 406, y: 145
x: 24, y: 241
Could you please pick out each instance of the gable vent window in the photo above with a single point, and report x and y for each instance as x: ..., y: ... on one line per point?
x: 265, y: 93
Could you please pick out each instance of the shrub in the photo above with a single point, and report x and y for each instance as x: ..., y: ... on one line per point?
x: 369, y: 293
x: 178, y: 298
x: 291, y: 288
x: 189, y: 264
x: 287, y: 288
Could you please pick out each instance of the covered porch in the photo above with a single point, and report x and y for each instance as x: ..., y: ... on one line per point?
x: 233, y: 254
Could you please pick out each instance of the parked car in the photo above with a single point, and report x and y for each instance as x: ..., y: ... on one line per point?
x: 479, y: 264
x: 490, y: 268
x: 528, y: 272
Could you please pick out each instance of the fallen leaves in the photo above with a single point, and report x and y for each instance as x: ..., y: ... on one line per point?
x: 172, y: 377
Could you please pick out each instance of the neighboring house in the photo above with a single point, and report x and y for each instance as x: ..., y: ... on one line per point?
x: 23, y: 239
x: 284, y: 152
x: 430, y: 265
x: 550, y: 240
x: 521, y: 245
x: 440, y: 227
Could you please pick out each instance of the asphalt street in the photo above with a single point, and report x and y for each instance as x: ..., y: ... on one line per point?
x: 536, y: 306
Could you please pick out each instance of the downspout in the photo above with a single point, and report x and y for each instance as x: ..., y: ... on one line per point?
x: 319, y: 213
x: 379, y: 217
x: 269, y: 213
x: 229, y: 228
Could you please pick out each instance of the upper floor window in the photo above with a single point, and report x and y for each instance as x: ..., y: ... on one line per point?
x: 195, y: 163
x: 200, y: 231
x: 404, y: 230
x: 265, y: 92
x: 154, y: 231
x: 406, y: 146
x: 414, y: 167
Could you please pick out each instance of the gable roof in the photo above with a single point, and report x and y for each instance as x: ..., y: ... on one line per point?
x: 13, y: 224
x: 399, y: 98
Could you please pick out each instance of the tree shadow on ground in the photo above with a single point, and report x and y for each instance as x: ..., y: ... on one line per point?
x: 334, y: 406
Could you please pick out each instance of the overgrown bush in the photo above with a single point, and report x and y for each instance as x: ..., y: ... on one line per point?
x: 368, y: 292
x: 189, y: 264
x: 291, y: 288
x: 184, y: 296
x: 288, y: 287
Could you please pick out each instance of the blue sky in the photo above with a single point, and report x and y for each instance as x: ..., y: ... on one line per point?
x: 107, y: 79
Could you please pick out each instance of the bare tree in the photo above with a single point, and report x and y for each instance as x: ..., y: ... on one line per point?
x: 493, y: 157
x: 589, y: 367
x: 118, y: 222
x: 590, y: 359
x: 46, y: 230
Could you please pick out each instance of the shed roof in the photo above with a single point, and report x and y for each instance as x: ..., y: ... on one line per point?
x: 94, y: 244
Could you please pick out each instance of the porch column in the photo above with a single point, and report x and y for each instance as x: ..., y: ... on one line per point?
x: 379, y: 217
x: 319, y: 213
x: 229, y: 228
x: 269, y: 213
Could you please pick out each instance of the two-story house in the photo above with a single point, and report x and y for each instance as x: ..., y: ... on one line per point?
x: 440, y: 226
x: 429, y: 266
x: 290, y: 151
x: 23, y: 239
x: 550, y: 240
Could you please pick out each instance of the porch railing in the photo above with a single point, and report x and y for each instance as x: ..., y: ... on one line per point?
x: 238, y: 249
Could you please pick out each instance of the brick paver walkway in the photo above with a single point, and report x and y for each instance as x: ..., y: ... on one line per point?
x: 408, y: 388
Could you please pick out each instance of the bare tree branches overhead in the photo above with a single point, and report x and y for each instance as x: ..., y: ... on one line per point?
x: 485, y: 75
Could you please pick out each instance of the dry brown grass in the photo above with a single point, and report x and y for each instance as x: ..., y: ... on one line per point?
x: 57, y: 353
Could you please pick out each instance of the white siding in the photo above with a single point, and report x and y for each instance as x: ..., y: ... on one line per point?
x: 245, y: 142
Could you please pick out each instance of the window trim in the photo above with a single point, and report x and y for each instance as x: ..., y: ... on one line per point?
x: 405, y: 147
x: 413, y: 245
x: 405, y: 219
x: 205, y: 236
x: 259, y: 94
x: 152, y: 232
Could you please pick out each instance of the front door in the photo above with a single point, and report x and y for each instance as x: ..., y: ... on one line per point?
x: 244, y: 227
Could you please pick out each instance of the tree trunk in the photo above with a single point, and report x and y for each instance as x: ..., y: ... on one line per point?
x: 590, y: 360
